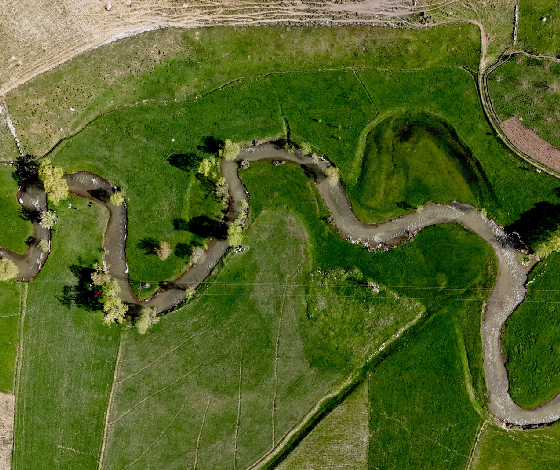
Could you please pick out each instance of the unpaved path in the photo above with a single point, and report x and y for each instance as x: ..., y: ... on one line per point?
x: 37, y: 35
x: 6, y: 430
x: 508, y: 292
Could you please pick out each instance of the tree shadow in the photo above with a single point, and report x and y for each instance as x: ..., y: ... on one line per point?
x: 536, y: 224
x: 100, y: 194
x: 185, y: 161
x: 182, y: 250
x: 211, y: 145
x: 30, y: 240
x: 180, y: 224
x: 30, y: 215
x: 27, y: 170
x: 148, y: 245
x: 84, y: 294
x: 205, y: 227
x: 404, y: 205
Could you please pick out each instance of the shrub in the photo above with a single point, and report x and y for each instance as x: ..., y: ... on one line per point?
x: 235, y: 233
x: 148, y: 317
x: 548, y: 246
x: 8, y: 269
x: 306, y: 148
x: 333, y: 175
x: 163, y: 251
x: 189, y: 293
x: 197, y: 255
x: 231, y: 150
x: 43, y: 246
x: 47, y: 219
x: 53, y: 181
x: 116, y: 198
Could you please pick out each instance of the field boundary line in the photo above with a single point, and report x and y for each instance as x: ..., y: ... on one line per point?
x: 157, y: 438
x: 200, y: 435
x: 474, y: 448
x: 109, y: 403
x: 238, y: 413
x: 154, y: 394
x: 17, y: 375
x: 323, y: 407
x: 172, y: 350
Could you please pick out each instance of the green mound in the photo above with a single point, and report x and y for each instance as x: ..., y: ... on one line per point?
x: 411, y: 159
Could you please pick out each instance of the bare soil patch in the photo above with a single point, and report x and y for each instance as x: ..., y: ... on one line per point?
x: 531, y: 144
x: 39, y: 35
x: 6, y: 430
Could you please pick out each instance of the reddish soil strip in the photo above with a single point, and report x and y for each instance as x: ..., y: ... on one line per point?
x: 6, y: 430
x: 531, y: 144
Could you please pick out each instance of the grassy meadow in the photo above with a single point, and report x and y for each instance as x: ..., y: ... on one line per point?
x: 501, y: 449
x: 68, y: 354
x: 535, y: 35
x: 15, y: 230
x: 531, y: 339
x: 529, y: 88
x: 8, y: 147
x: 11, y: 296
x: 176, y: 64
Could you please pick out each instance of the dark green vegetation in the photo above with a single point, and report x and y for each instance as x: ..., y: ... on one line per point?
x: 68, y: 355
x: 10, y: 306
x: 501, y: 449
x: 15, y: 229
x: 174, y: 64
x: 529, y: 88
x: 421, y: 416
x: 342, y: 436
x: 412, y: 159
x: 535, y: 35
x: 532, y: 339
x: 244, y: 334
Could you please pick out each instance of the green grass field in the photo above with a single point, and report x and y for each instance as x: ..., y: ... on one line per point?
x: 176, y: 64
x: 528, y: 88
x: 10, y: 307
x: 532, y: 339
x: 15, y: 230
x: 341, y: 437
x: 421, y: 415
x: 535, y: 35
x: 68, y: 354
x: 501, y: 449
x: 8, y: 147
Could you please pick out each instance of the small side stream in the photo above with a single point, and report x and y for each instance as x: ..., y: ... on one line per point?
x: 508, y: 291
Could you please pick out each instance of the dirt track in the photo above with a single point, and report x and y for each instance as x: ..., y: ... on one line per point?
x: 37, y: 35
x: 6, y: 430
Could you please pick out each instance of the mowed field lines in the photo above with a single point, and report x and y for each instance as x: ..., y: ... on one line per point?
x: 68, y: 355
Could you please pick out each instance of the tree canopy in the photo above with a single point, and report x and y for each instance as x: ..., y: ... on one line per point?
x: 231, y: 150
x: 53, y: 181
x: 8, y: 269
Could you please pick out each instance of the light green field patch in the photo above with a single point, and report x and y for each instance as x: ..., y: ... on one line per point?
x: 539, y: 23
x: 339, y: 441
x: 10, y: 310
x: 8, y: 147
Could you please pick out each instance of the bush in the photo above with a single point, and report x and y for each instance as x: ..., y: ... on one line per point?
x: 43, y: 246
x: 197, y: 255
x: 549, y: 246
x: 53, y: 181
x: 147, y: 318
x: 163, y: 251
x: 8, y: 269
x: 47, y: 219
x: 333, y: 175
x: 235, y: 234
x: 231, y: 150
x: 116, y: 198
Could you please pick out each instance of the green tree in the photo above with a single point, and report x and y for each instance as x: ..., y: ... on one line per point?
x: 235, y: 233
x: 117, y: 198
x: 548, y: 246
x: 147, y: 318
x: 205, y: 167
x: 231, y: 150
x: 53, y: 181
x: 306, y: 148
x: 114, y: 310
x: 43, y: 246
x: 47, y: 219
x: 8, y: 269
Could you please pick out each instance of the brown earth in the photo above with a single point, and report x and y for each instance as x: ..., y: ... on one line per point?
x: 6, y: 430
x: 531, y: 144
x: 37, y: 35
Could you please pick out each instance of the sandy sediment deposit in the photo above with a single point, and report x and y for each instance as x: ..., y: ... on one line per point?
x: 531, y: 144
x: 37, y: 35
x: 6, y: 430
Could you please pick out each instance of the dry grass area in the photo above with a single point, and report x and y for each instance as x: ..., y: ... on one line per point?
x: 531, y: 144
x: 37, y: 35
x: 6, y: 430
